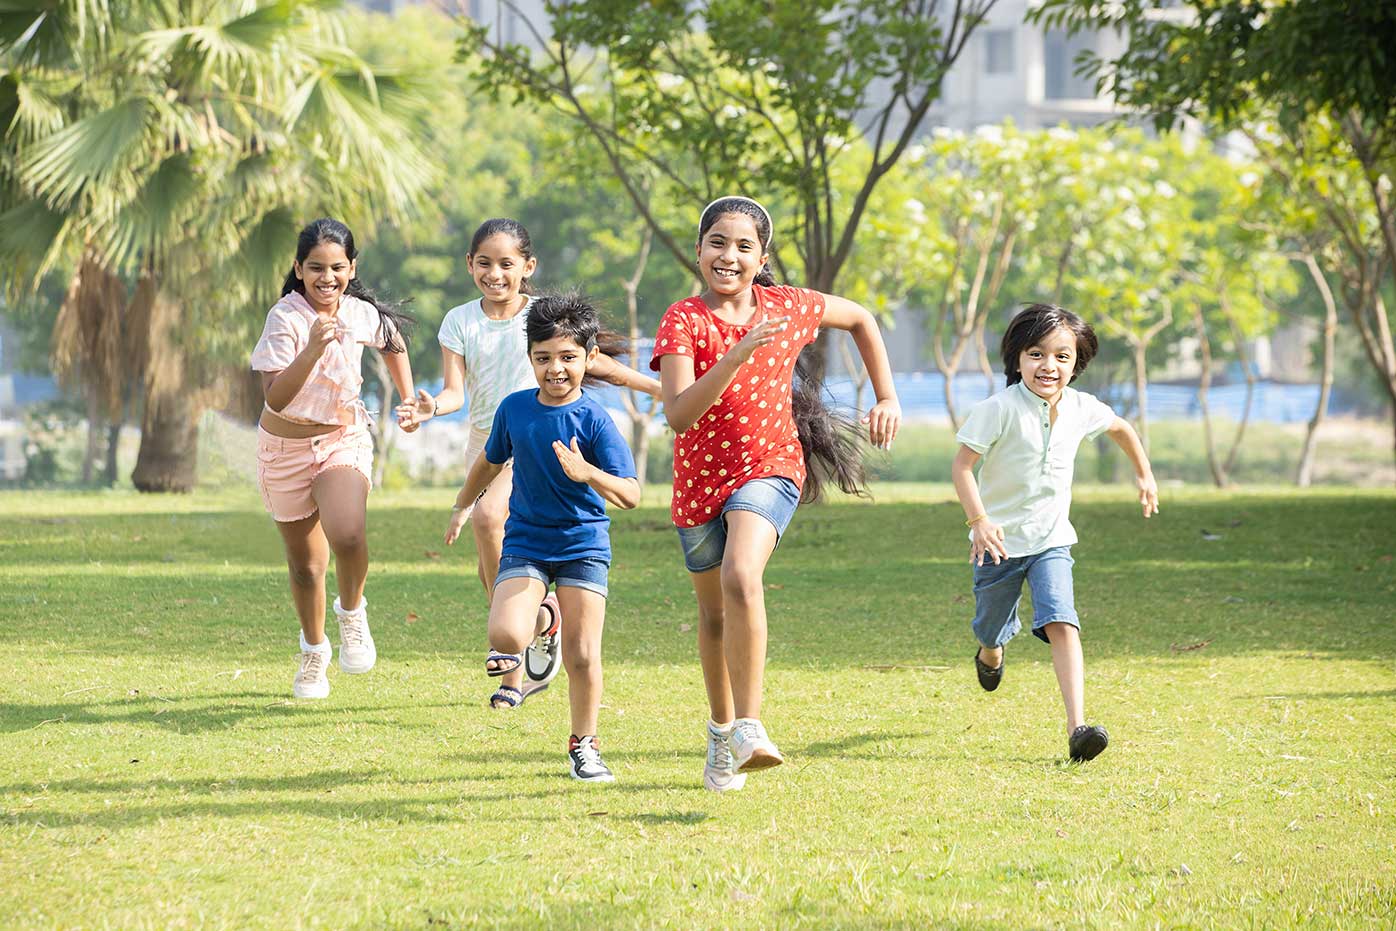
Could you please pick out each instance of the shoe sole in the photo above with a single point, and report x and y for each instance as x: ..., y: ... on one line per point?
x: 735, y: 783
x: 760, y: 760
x: 311, y: 696
x: 610, y: 778
x: 356, y: 670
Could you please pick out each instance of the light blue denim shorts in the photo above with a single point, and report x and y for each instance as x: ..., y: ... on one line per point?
x: 773, y: 498
x: 590, y: 572
x: 999, y: 588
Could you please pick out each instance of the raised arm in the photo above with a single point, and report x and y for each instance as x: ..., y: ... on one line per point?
x: 622, y: 492
x: 1124, y: 436
x: 686, y: 399
x: 885, y: 418
x: 280, y: 387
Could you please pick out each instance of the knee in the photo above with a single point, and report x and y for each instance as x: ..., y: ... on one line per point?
x: 488, y: 518
x: 710, y: 619
x: 741, y: 584
x: 581, y: 659
x: 307, y: 574
x: 349, y: 540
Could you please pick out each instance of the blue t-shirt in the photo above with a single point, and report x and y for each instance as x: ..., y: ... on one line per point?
x: 551, y: 517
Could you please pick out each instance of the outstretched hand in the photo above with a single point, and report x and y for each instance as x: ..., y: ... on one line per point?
x: 1148, y: 493
x: 412, y: 414
x: 572, y: 461
x: 883, y: 421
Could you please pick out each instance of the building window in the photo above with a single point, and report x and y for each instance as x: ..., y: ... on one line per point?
x: 1059, y: 54
x: 998, y: 51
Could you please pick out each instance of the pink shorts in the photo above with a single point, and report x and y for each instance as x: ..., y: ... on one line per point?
x: 287, y: 468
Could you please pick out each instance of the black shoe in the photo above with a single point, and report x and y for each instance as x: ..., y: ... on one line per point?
x: 1087, y: 742
x: 989, y: 676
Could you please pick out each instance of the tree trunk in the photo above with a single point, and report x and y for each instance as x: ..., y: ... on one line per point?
x: 95, y: 424
x: 113, y: 441
x: 1141, y: 391
x: 383, y: 434
x: 1305, y: 474
x: 1249, y: 370
x: 169, y: 455
x: 857, y: 372
x: 1204, y: 347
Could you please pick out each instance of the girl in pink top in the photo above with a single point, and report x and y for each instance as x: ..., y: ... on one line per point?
x: 314, y: 451
x: 746, y: 427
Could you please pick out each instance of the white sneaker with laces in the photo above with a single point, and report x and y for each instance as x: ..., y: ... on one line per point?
x: 311, y: 681
x: 543, y: 657
x: 751, y: 747
x: 720, y: 772
x: 585, y: 759
x: 356, y: 650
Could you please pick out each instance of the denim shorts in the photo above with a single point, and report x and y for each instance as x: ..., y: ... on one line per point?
x: 773, y: 498
x: 999, y: 588
x: 589, y: 572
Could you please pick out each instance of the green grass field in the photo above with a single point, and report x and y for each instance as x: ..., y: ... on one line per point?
x: 156, y: 773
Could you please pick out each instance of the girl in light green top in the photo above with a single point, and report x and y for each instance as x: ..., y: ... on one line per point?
x: 484, y: 356
x: 1027, y: 436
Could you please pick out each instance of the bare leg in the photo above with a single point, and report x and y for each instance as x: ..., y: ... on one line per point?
x: 1069, y: 666
x: 487, y: 523
x: 342, y: 495
x: 513, y: 611
x: 991, y: 656
x: 581, y: 654
x: 307, y: 556
x: 751, y: 539
x: 707, y: 586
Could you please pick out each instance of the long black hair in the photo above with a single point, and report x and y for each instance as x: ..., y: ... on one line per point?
x: 508, y: 227
x: 571, y: 315
x: 832, y: 441
x: 1036, y: 322
x: 393, y: 323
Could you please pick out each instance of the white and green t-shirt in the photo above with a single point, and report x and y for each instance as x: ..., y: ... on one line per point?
x: 496, y: 357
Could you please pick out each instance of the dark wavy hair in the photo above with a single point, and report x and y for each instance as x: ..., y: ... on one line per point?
x: 393, y: 323
x: 508, y: 227
x: 570, y: 315
x: 1034, y: 323
x: 832, y: 442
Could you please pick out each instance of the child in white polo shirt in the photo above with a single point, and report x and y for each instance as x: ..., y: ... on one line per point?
x: 1028, y: 435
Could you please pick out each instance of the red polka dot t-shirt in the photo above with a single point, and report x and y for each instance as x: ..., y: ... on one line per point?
x: 749, y: 432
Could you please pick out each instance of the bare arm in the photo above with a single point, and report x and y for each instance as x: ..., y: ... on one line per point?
x: 1124, y: 436
x: 987, y: 535
x: 608, y: 369
x: 886, y: 415
x: 280, y: 387
x: 686, y: 399
x: 452, y: 396
x: 481, y: 474
x: 622, y: 492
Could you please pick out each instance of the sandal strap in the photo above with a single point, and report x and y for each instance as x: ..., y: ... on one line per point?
x: 502, y: 694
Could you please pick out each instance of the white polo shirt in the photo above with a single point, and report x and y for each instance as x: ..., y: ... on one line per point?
x: 1025, y: 475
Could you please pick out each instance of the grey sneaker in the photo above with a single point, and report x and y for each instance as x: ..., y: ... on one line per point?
x: 585, y: 760
x: 720, y: 772
x: 311, y: 681
x: 543, y: 657
x: 751, y: 747
x: 356, y: 650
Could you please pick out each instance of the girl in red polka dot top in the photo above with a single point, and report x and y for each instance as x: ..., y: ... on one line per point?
x: 752, y: 441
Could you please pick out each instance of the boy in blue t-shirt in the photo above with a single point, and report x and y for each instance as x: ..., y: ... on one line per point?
x: 568, y: 457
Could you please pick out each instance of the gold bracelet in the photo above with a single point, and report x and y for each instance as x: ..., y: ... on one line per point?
x: 972, y: 522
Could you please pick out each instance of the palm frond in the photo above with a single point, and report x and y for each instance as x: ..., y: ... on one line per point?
x: 157, y: 216
x: 95, y: 150
x: 32, y: 237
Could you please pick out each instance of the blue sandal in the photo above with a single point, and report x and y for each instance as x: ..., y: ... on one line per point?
x: 512, y: 660
x: 508, y: 695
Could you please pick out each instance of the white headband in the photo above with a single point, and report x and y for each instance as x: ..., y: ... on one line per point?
x: 770, y: 227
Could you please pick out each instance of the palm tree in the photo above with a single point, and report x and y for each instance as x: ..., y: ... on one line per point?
x: 178, y: 145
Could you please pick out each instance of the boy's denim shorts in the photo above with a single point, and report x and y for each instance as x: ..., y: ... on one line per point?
x: 773, y: 498
x: 999, y: 588
x: 589, y: 572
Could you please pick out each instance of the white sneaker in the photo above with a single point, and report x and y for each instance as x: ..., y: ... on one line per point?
x: 751, y: 747
x: 584, y: 760
x: 720, y: 772
x: 356, y: 650
x: 543, y: 657
x: 311, y: 681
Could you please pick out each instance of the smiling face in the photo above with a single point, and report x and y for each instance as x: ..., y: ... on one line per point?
x: 325, y: 274
x: 730, y: 255
x: 559, y: 364
x: 1047, y: 365
x: 499, y: 268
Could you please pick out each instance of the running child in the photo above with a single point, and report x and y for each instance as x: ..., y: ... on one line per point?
x: 484, y: 356
x: 569, y: 460
x: 1027, y: 436
x: 727, y: 364
x: 314, y: 450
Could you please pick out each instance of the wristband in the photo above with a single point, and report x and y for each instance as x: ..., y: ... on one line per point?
x: 434, y: 405
x: 973, y: 521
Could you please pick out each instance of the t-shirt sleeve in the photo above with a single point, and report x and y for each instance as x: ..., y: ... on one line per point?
x: 451, y: 336
x: 1099, y: 415
x: 983, y: 427
x: 499, y: 447
x: 377, y: 329
x: 277, y: 347
x: 810, y: 313
x: 610, y: 452
x: 675, y: 336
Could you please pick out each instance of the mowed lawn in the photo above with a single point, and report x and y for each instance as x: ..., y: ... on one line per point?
x: 154, y: 772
